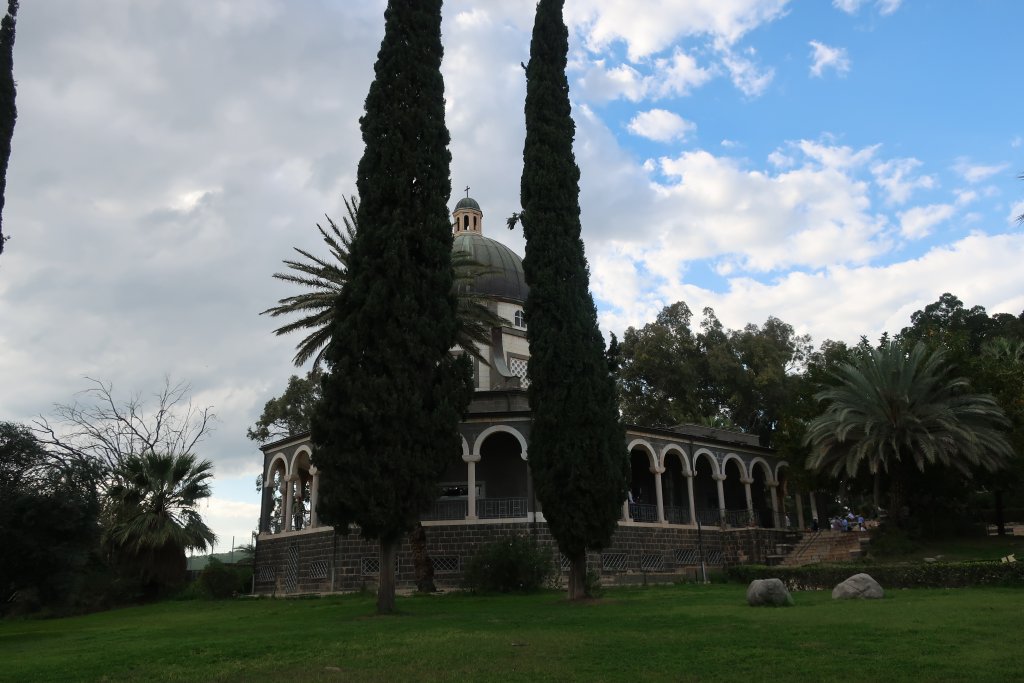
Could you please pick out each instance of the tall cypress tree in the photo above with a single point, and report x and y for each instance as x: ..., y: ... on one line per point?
x: 577, y: 442
x: 8, y: 110
x: 388, y: 421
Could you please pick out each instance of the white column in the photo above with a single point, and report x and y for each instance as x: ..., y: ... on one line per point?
x: 814, y: 510
x: 625, y: 510
x: 750, y: 498
x: 800, y: 511
x: 657, y: 471
x: 772, y: 485
x: 286, y: 504
x: 314, y: 493
x: 689, y: 496
x: 471, y: 461
x: 719, y: 478
x: 299, y: 503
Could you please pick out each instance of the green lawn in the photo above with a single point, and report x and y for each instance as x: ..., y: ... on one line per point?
x: 963, y: 549
x: 672, y: 633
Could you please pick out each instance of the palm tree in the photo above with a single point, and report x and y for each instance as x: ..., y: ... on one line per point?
x: 325, y: 277
x: 151, y: 508
x: 891, y: 409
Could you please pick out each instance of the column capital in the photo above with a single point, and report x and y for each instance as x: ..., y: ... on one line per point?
x: 772, y: 482
x: 314, y: 471
x: 746, y: 480
x: 718, y: 477
x: 657, y: 470
x: 471, y: 457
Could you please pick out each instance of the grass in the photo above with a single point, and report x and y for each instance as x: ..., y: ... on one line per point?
x: 961, y: 549
x: 670, y: 633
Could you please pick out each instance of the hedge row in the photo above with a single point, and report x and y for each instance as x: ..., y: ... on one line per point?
x: 934, y: 575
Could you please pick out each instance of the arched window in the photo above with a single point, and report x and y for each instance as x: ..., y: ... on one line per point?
x: 465, y: 222
x: 520, y: 319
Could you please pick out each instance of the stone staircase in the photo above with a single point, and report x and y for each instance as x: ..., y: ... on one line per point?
x: 782, y: 548
x: 827, y: 546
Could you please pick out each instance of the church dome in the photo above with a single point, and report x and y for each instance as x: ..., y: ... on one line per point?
x: 467, y: 203
x: 507, y: 280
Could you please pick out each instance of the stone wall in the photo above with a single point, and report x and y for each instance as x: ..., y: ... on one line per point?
x: 319, y: 561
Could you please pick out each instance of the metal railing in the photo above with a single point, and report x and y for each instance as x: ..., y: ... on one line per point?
x: 446, y: 510
x: 739, y: 519
x: 677, y: 515
x: 643, y: 512
x: 709, y: 517
x: 500, y: 508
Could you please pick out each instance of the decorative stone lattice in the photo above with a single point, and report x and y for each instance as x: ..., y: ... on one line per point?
x: 318, y: 569
x: 265, y: 574
x: 291, y: 569
x: 563, y: 563
x: 691, y: 556
x: 371, y: 565
x: 517, y: 366
x: 445, y: 564
x: 652, y: 563
x: 614, y: 562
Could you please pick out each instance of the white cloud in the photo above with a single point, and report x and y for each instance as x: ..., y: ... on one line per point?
x: 649, y: 30
x: 839, y: 157
x: 888, y: 6
x: 677, y: 75
x: 601, y: 84
x: 1016, y: 142
x: 895, y: 177
x: 751, y: 79
x: 975, y: 173
x: 1016, y: 211
x: 848, y: 6
x: 660, y: 125
x: 885, y: 7
x: 919, y: 221
x: 826, y: 57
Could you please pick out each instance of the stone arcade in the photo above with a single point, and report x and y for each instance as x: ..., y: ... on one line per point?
x: 681, y: 478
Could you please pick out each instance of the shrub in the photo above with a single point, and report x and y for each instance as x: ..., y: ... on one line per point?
x: 513, y: 564
x: 219, y: 580
x: 934, y: 575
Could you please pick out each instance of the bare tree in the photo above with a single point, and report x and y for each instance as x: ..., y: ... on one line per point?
x: 100, y: 429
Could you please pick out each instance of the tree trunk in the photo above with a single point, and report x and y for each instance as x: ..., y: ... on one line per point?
x: 386, y: 587
x: 1000, y: 522
x: 578, y: 576
x: 877, y: 493
x: 421, y: 561
x: 897, y: 507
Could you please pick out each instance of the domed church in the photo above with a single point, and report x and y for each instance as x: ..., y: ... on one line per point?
x: 699, y: 496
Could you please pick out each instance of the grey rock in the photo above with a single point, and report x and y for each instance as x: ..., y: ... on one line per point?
x: 768, y: 592
x: 858, y: 586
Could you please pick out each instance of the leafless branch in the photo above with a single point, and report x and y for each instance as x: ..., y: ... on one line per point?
x: 99, y: 428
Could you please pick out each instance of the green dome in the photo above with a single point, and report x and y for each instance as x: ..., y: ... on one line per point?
x: 467, y: 203
x: 507, y: 281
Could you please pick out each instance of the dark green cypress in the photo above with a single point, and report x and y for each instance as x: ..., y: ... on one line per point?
x: 8, y: 110
x: 577, y: 443
x: 387, y: 424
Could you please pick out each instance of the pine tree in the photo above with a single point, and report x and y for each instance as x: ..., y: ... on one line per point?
x: 387, y: 424
x: 8, y: 110
x: 577, y: 442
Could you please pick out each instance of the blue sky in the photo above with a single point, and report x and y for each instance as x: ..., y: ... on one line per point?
x: 838, y: 165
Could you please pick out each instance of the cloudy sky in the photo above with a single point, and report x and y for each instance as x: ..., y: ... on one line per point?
x: 836, y: 164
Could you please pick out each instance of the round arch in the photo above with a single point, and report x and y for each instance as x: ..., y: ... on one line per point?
x: 742, y: 465
x: 643, y: 444
x: 499, y: 428
x: 683, y: 457
x: 715, y: 469
x: 782, y: 464
x: 298, y: 459
x: 277, y: 458
x: 768, y: 474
